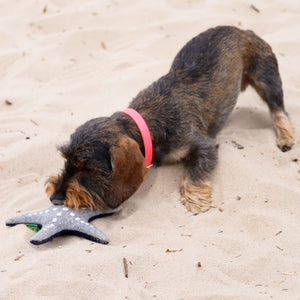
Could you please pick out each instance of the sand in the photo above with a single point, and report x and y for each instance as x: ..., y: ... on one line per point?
x: 63, y: 62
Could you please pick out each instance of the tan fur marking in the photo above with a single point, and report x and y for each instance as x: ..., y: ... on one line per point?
x: 196, y: 198
x: 50, y: 184
x: 77, y: 196
x: 177, y: 155
x: 284, y: 132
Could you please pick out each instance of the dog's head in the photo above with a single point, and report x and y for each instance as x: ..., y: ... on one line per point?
x: 103, y: 168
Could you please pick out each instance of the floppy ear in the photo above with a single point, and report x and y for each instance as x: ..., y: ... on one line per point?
x: 128, y: 171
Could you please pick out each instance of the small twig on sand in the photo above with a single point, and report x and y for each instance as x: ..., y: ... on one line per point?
x: 255, y: 8
x: 125, y: 267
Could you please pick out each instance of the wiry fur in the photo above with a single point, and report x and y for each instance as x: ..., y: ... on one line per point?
x: 184, y: 111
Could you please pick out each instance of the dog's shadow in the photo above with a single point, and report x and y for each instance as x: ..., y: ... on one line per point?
x: 158, y: 185
x: 134, y: 202
x: 246, y: 118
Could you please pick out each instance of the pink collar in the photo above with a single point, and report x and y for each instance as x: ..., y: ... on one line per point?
x: 141, y: 124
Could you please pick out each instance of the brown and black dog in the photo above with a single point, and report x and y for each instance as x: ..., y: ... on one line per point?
x: 184, y: 111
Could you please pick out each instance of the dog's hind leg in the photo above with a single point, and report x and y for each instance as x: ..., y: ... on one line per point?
x: 195, y: 189
x: 285, y: 136
x: 264, y: 76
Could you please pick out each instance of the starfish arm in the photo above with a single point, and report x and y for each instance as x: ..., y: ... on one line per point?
x: 78, y: 226
x: 91, y: 215
x: 93, y: 233
x: 46, y: 234
x: 23, y: 219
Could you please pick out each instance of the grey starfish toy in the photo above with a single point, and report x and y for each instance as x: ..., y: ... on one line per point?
x: 60, y: 220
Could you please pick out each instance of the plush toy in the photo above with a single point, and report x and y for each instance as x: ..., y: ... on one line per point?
x: 60, y: 220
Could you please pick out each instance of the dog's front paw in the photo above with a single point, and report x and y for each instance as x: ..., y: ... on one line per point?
x: 196, y: 198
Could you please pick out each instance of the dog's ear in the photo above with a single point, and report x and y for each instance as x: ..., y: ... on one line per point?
x: 128, y: 171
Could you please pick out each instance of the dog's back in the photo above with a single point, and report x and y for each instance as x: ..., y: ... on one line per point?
x: 208, y: 74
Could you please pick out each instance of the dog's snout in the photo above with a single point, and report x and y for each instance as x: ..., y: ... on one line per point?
x: 57, y: 199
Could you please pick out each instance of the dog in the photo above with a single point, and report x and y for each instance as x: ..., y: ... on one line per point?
x: 184, y: 110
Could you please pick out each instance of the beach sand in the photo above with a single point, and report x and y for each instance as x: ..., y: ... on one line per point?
x: 63, y: 62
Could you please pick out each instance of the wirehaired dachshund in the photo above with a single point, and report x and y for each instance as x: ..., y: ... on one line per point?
x: 184, y: 110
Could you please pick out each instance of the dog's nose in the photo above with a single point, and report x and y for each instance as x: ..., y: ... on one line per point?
x: 57, y: 199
